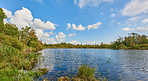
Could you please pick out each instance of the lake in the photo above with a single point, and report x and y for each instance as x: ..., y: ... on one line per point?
x: 124, y: 65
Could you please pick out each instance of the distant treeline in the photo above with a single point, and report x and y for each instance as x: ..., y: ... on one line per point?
x: 133, y: 41
x: 68, y: 45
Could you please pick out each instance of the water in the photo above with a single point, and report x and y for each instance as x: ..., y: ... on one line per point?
x: 124, y: 65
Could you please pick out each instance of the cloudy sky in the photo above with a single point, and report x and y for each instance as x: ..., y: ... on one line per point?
x: 78, y: 21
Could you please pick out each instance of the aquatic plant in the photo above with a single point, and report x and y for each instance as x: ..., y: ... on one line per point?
x: 85, y: 71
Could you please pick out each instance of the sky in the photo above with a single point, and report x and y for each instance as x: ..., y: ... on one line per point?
x: 78, y: 21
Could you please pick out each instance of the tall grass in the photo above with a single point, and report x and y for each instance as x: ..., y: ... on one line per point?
x: 85, y: 71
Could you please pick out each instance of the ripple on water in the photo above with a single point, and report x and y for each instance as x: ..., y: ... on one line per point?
x: 124, y: 65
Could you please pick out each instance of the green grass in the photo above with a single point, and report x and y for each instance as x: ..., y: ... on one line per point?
x: 85, y: 73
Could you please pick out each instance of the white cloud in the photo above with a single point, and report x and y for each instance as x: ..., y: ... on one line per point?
x: 44, y: 37
x: 51, y: 33
x: 7, y: 13
x: 21, y: 18
x: 70, y: 35
x: 52, y: 40
x: 112, y: 15
x: 74, y: 42
x: 82, y: 3
x: 145, y: 21
x: 60, y: 37
x: 139, y: 29
x: 133, y: 19
x: 40, y: 34
x: 79, y: 28
x: 68, y: 26
x: 5, y: 21
x: 135, y: 7
x: 94, y: 26
x: 37, y: 23
x: 91, y: 42
x: 24, y: 17
x: 127, y: 29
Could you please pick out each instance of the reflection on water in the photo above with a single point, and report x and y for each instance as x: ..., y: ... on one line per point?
x: 126, y: 65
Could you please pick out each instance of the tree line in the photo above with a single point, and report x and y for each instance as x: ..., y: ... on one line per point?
x: 133, y: 41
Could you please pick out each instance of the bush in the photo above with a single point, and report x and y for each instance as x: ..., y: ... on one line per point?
x: 12, y: 41
x: 86, y: 72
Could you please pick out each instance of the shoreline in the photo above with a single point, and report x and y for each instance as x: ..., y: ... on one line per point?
x: 94, y: 48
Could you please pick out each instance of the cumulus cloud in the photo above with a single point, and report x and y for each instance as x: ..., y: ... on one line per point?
x: 68, y: 26
x: 21, y: 18
x: 139, y: 29
x: 60, y: 37
x: 37, y: 23
x: 41, y: 34
x: 82, y: 3
x: 52, y: 40
x: 145, y: 21
x: 50, y: 33
x: 7, y: 13
x: 91, y: 42
x: 24, y: 17
x: 74, y: 42
x: 127, y: 29
x: 70, y: 35
x: 79, y: 28
x: 94, y: 26
x: 112, y: 15
x: 135, y: 7
x: 44, y: 36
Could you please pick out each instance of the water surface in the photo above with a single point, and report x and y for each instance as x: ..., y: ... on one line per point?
x: 124, y: 65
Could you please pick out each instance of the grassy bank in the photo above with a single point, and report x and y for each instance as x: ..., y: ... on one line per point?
x: 17, y: 61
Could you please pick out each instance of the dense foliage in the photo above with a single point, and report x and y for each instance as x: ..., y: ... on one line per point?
x: 2, y: 17
x: 17, y: 52
x: 133, y: 41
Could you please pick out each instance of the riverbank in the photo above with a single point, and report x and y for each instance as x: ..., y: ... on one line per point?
x: 16, y: 65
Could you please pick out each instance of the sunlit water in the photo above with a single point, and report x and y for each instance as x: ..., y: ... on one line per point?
x: 124, y: 65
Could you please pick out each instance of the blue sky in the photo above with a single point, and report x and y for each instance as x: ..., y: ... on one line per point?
x: 79, y: 21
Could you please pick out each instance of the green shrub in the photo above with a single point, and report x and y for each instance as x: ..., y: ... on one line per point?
x: 12, y: 41
x: 86, y: 72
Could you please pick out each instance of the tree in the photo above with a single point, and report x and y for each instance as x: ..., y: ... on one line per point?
x: 2, y: 17
x: 11, y: 30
